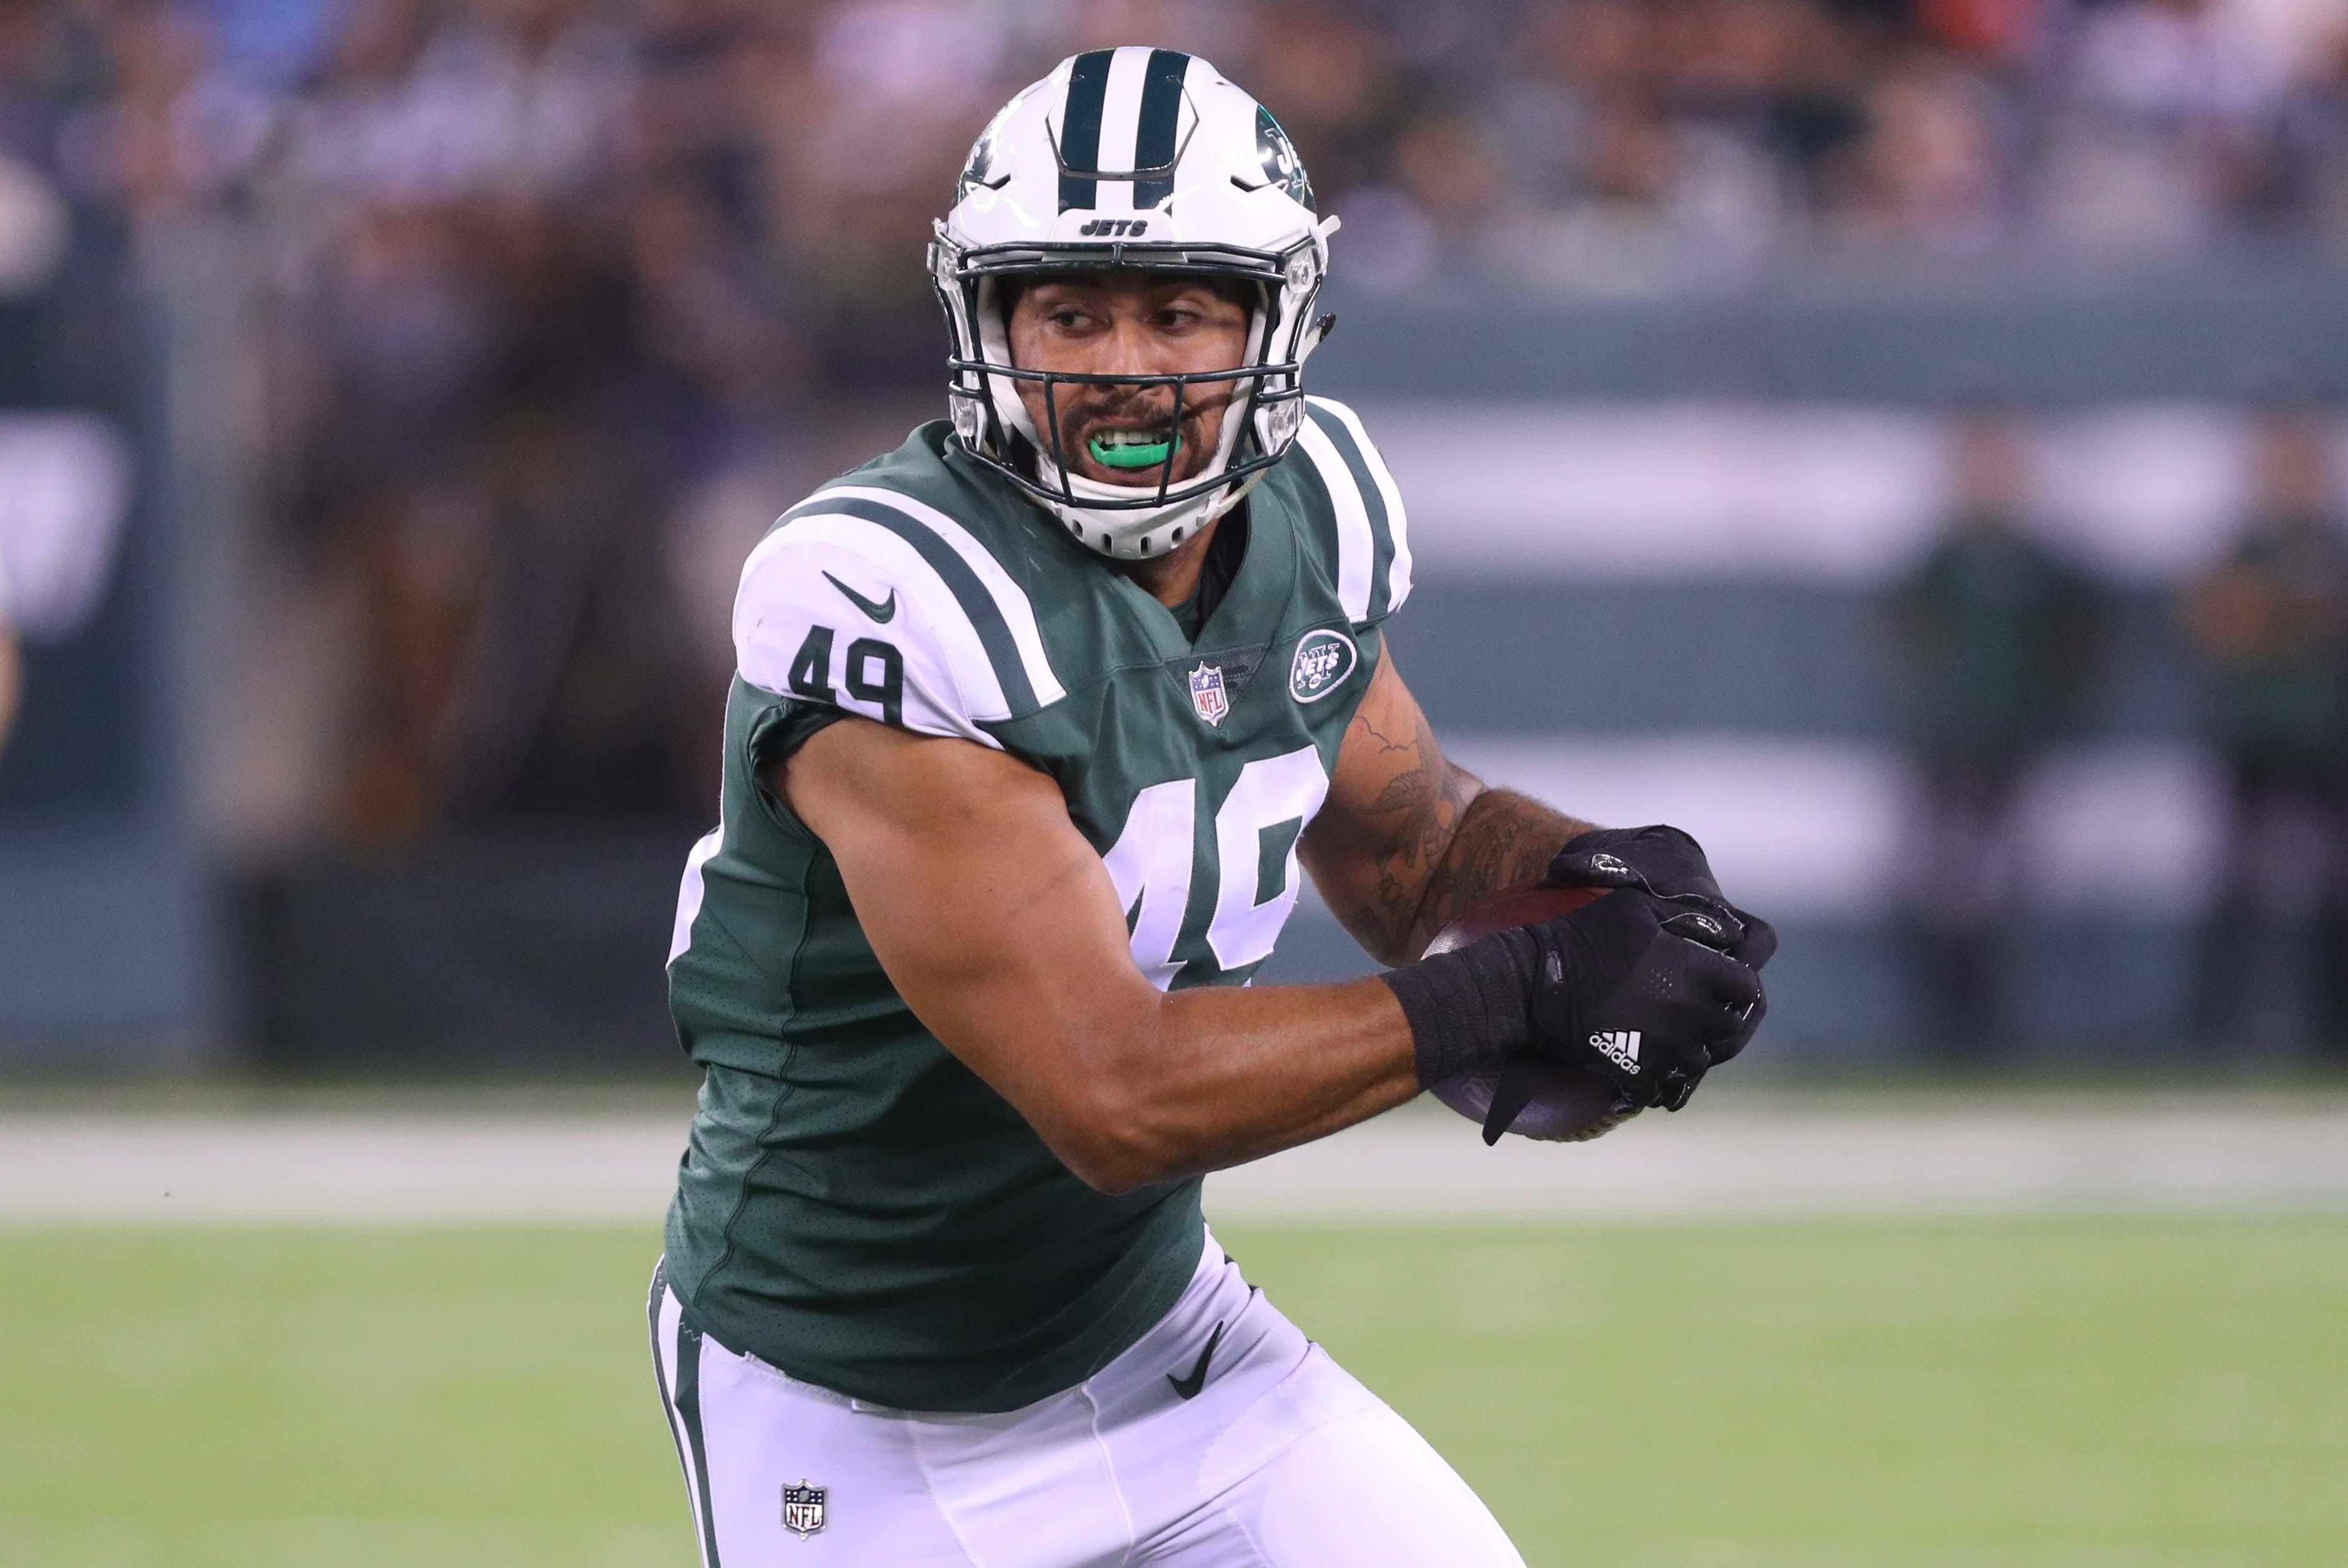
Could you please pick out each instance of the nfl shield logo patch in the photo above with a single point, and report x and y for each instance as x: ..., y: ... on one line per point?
x: 1207, y: 693
x: 803, y: 1509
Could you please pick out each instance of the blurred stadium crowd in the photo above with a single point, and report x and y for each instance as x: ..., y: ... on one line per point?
x: 547, y: 301
x: 539, y: 268
x: 1586, y: 144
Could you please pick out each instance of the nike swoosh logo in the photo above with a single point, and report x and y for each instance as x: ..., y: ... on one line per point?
x: 882, y: 610
x: 1189, y: 1386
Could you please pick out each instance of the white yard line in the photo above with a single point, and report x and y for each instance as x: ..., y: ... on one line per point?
x: 1922, y: 1162
x: 2235, y: 1155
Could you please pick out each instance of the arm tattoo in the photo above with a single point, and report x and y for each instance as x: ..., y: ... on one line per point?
x: 1503, y: 839
x: 1445, y: 841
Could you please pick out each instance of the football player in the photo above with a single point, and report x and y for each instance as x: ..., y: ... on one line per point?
x: 1037, y: 718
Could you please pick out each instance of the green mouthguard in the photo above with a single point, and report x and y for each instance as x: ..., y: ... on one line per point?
x: 1126, y: 454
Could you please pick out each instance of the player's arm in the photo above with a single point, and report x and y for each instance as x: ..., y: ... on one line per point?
x: 1407, y: 839
x: 998, y: 924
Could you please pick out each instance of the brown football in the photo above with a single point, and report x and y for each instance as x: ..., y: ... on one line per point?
x: 1569, y: 1105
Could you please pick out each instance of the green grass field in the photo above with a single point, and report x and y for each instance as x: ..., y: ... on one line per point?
x: 2089, y: 1393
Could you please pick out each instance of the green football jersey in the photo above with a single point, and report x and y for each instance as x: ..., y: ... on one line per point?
x: 856, y: 1206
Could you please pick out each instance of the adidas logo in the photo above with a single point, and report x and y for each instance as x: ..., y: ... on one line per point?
x: 1620, y: 1047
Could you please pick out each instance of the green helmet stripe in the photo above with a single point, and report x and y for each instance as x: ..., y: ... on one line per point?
x: 1080, y: 129
x: 1161, y: 104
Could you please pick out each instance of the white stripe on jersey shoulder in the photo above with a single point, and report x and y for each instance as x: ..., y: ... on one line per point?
x: 1397, y: 519
x: 1355, y: 546
x: 690, y: 890
x: 1018, y: 611
x: 949, y: 684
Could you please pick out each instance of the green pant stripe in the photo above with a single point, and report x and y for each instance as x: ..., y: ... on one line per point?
x: 660, y: 1372
x: 688, y: 1407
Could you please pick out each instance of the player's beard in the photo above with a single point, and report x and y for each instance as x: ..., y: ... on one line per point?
x: 1087, y: 411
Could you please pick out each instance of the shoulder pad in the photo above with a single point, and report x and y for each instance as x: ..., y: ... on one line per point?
x: 1373, y: 566
x: 868, y: 600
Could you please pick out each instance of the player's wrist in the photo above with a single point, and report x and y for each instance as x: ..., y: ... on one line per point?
x: 1470, y: 1008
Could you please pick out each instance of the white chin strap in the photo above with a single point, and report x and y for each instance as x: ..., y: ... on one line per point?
x: 1122, y: 533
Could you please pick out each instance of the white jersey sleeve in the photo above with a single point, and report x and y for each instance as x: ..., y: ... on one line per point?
x: 840, y: 611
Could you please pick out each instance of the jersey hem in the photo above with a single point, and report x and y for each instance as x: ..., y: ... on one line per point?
x: 881, y: 1398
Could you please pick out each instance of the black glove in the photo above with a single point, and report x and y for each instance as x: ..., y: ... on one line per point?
x: 1670, y: 864
x: 1616, y: 987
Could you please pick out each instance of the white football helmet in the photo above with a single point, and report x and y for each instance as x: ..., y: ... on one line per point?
x: 1145, y: 159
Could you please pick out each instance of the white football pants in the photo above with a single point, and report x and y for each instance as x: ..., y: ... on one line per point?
x: 1278, y: 1460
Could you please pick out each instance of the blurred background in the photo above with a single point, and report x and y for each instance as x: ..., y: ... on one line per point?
x: 1894, y: 437
x: 1899, y: 440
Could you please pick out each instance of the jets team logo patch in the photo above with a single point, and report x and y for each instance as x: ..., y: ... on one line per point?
x: 1323, y: 659
x: 803, y: 1509
x: 1207, y: 693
